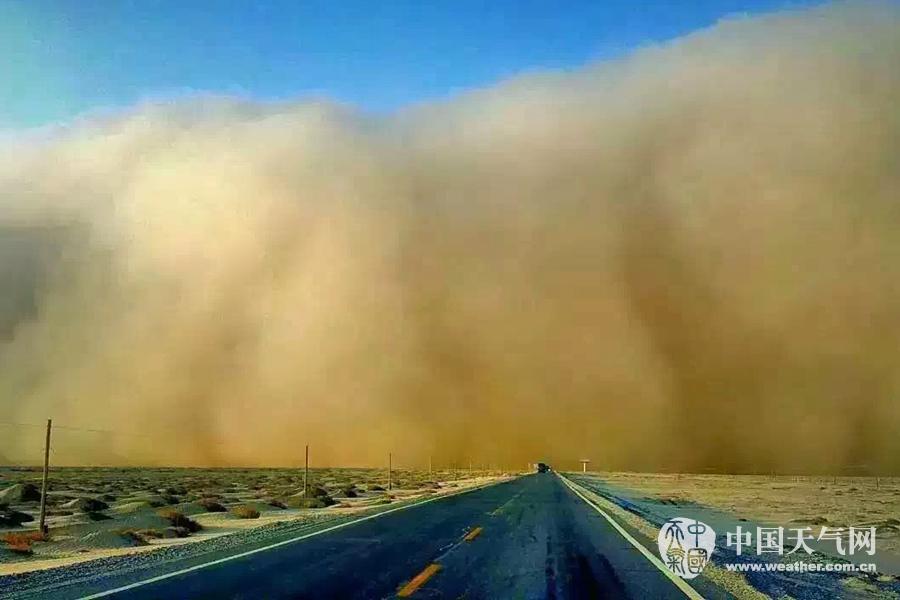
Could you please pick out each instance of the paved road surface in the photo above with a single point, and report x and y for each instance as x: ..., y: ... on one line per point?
x: 537, y: 540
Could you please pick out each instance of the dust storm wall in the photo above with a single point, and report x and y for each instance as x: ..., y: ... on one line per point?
x: 686, y: 258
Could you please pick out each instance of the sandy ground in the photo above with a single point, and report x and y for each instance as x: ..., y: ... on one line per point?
x: 135, y: 507
x: 783, y: 500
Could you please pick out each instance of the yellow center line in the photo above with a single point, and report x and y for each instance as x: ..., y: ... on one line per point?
x: 418, y: 581
x: 503, y: 506
x: 428, y: 572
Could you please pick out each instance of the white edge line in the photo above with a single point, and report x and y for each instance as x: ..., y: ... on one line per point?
x: 680, y: 583
x: 144, y: 582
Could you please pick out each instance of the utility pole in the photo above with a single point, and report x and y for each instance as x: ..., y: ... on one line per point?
x: 584, y: 462
x: 390, y: 471
x: 306, y: 475
x: 43, y: 521
x: 429, y: 465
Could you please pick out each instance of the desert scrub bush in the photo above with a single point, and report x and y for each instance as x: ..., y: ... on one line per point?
x: 132, y: 537
x: 178, y: 519
x: 314, y: 502
x: 176, y: 532
x: 245, y: 512
x: 150, y: 534
x: 20, y: 543
x: 211, y: 505
x: 19, y: 547
x: 14, y: 518
x: 317, y: 492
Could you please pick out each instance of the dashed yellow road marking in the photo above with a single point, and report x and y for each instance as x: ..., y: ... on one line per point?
x: 503, y: 507
x: 473, y: 534
x: 418, y: 581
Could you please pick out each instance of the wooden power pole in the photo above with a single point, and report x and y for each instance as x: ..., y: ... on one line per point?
x: 390, y: 471
x: 44, y: 483
x: 306, y: 475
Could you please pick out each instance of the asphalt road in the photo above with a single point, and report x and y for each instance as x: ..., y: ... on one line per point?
x: 537, y: 539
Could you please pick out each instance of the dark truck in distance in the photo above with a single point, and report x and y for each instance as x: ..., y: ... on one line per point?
x: 543, y: 468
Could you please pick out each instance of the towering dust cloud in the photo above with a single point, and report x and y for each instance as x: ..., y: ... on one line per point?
x: 689, y: 258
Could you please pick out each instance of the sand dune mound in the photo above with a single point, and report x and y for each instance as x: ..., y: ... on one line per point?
x: 87, y: 505
x: 155, y: 500
x: 112, y: 539
x: 132, y: 507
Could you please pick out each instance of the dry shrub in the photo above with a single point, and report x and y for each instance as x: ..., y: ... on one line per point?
x: 176, y: 532
x: 317, y: 502
x: 21, y: 542
x: 245, y: 512
x: 135, y: 538
x: 211, y: 505
x: 149, y: 534
x: 13, y: 518
x: 31, y: 536
x: 178, y: 519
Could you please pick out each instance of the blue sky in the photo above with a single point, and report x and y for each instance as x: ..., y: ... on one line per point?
x: 60, y: 59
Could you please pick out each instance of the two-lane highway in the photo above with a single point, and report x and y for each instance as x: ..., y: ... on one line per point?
x: 532, y: 537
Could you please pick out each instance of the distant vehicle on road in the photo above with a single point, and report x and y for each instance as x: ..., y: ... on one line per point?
x: 543, y: 468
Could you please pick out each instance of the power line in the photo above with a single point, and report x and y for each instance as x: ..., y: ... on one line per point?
x: 20, y: 424
x: 129, y: 434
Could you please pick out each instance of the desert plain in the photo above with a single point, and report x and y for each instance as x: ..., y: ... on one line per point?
x: 785, y: 500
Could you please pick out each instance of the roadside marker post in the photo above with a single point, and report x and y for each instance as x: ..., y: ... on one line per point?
x: 46, y: 478
x: 306, y: 475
